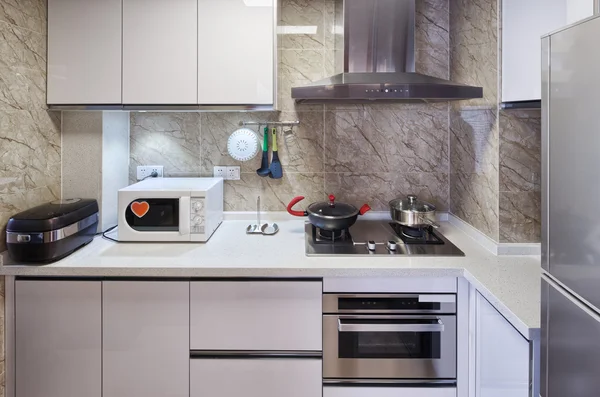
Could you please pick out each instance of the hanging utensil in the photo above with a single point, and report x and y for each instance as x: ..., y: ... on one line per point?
x: 412, y: 212
x: 329, y: 215
x: 276, y: 170
x: 264, y: 166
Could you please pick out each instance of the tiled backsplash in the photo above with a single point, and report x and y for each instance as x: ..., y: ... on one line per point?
x: 360, y: 153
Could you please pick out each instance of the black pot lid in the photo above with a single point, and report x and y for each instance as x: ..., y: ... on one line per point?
x: 332, y: 209
x: 412, y: 204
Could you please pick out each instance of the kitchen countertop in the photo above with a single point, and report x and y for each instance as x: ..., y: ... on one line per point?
x: 510, y: 283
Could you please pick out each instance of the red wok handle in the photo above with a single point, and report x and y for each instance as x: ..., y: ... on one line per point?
x: 292, y: 203
x: 364, y: 209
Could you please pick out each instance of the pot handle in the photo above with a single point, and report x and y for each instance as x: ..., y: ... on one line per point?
x: 364, y: 209
x: 292, y: 203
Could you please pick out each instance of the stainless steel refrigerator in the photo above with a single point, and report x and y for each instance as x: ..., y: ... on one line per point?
x: 570, y: 345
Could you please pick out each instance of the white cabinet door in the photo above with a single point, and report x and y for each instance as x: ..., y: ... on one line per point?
x: 236, y: 43
x: 502, y: 355
x: 146, y: 349
x: 523, y: 24
x: 58, y: 338
x: 270, y: 315
x: 84, y: 52
x: 160, y: 52
x: 255, y: 378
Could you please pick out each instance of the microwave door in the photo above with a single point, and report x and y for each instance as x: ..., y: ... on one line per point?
x: 184, y: 216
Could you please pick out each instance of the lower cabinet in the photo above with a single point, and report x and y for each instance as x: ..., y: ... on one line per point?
x: 502, y: 355
x: 262, y: 377
x: 58, y: 338
x: 353, y: 391
x: 146, y: 339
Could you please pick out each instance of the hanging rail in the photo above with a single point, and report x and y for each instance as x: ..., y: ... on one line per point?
x: 270, y: 123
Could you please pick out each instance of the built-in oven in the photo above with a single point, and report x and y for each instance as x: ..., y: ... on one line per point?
x: 392, y: 337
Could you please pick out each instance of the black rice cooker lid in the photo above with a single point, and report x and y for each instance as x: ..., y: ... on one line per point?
x: 52, y: 216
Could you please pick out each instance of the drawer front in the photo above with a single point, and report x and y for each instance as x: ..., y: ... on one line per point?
x: 255, y: 377
x: 271, y: 315
x: 353, y: 391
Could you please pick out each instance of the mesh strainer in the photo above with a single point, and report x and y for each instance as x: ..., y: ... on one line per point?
x: 243, y: 144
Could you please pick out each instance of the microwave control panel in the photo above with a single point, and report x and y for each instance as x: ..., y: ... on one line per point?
x: 197, y: 220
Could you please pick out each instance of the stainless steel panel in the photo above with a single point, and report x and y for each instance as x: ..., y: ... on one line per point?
x: 544, y: 341
x: 573, y: 347
x: 574, y: 139
x: 356, y: 368
x: 380, y: 36
x: 545, y: 141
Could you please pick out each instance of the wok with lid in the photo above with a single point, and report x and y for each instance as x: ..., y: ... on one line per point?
x: 412, y: 212
x: 329, y: 215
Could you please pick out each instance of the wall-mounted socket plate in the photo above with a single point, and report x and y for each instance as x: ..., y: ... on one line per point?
x: 229, y: 173
x: 233, y: 173
x: 144, y: 171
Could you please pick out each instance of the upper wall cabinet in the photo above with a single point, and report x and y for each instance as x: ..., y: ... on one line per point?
x: 524, y: 23
x: 236, y: 47
x: 84, y: 52
x: 160, y: 52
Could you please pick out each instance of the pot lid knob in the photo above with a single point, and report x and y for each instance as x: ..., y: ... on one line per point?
x: 411, y: 198
x: 331, y: 200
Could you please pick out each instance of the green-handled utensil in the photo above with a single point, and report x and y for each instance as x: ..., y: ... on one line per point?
x: 264, y: 166
x: 276, y: 170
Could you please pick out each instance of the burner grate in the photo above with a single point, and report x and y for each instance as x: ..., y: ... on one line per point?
x: 324, y: 236
x: 411, y: 235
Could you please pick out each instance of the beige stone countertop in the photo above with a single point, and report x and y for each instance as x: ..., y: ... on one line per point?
x: 510, y: 283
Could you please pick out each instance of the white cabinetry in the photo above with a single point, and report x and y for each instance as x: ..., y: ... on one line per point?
x: 502, y: 355
x: 84, y: 52
x: 270, y: 315
x: 58, y: 338
x: 337, y: 391
x: 160, y: 52
x: 145, y: 338
x: 256, y: 378
x: 523, y: 24
x: 236, y: 45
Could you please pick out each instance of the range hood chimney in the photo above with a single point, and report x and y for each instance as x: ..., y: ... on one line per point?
x: 378, y: 42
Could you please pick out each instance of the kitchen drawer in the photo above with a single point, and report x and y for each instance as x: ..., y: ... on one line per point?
x: 265, y: 377
x: 270, y: 315
x: 353, y: 391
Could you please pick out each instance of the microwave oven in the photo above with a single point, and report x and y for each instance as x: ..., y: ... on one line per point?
x: 170, y: 210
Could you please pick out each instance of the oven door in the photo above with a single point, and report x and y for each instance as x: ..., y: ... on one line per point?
x: 158, y: 218
x: 419, y: 347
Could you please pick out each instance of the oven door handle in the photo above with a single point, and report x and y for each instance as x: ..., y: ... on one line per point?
x: 357, y: 327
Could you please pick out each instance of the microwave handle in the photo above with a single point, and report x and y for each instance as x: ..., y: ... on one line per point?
x: 357, y: 327
x: 184, y: 216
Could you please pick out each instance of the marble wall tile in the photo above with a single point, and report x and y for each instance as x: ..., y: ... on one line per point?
x: 377, y: 189
x: 297, y: 68
x: 29, y: 14
x: 169, y: 139
x: 520, y: 150
x: 297, y: 16
x: 432, y: 25
x: 520, y: 217
x: 376, y: 139
x: 22, y: 48
x: 22, y: 89
x: 474, y: 22
x: 275, y: 194
x: 474, y: 141
x: 474, y: 198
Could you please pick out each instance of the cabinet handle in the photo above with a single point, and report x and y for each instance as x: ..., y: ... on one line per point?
x: 390, y: 327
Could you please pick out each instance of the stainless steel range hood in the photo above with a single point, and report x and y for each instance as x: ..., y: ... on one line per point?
x: 375, y: 58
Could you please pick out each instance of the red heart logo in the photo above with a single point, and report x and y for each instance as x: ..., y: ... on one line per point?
x: 140, y: 208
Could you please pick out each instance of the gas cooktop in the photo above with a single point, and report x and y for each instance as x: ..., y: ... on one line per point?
x: 375, y: 237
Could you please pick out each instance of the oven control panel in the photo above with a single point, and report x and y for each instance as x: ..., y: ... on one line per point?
x: 197, y: 215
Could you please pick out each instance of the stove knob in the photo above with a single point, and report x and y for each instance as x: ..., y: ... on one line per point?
x: 371, y: 245
x: 392, y: 246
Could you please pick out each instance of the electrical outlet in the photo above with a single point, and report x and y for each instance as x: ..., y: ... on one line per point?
x: 144, y: 171
x: 220, y: 171
x: 233, y: 173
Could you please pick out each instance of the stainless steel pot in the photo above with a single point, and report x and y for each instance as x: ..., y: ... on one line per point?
x: 413, y: 212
